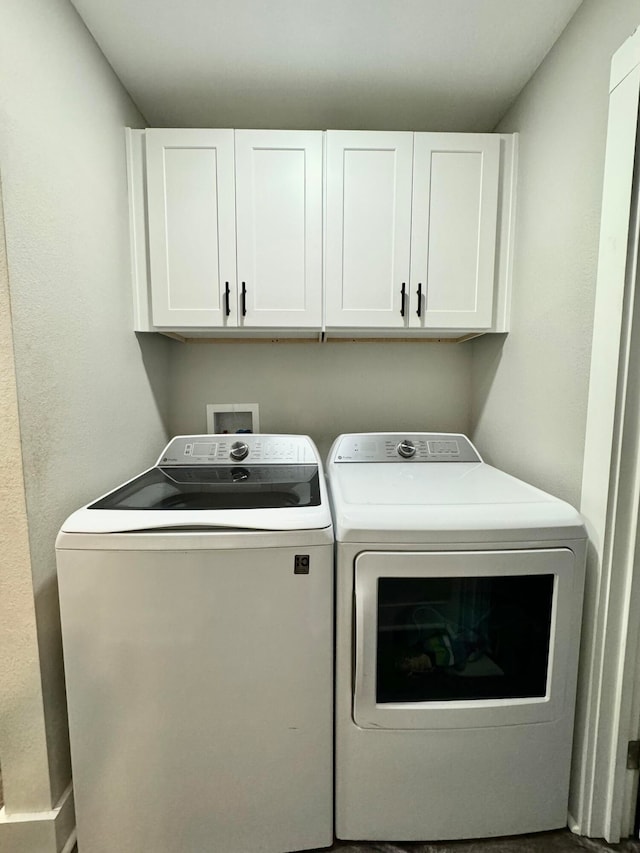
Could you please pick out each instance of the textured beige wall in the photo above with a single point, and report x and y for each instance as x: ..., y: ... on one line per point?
x: 325, y: 389
x: 91, y: 397
x: 23, y: 747
x: 530, y: 389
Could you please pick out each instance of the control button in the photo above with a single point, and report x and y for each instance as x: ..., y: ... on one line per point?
x: 239, y: 450
x: 406, y: 448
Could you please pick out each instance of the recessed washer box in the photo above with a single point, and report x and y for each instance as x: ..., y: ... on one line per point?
x: 233, y: 417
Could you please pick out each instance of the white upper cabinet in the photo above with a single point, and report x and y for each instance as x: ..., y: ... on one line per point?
x: 411, y: 230
x: 368, y: 228
x: 235, y: 228
x: 453, y: 229
x: 312, y: 234
x: 279, y: 228
x: 191, y: 217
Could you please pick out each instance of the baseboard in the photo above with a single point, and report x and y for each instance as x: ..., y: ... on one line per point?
x: 40, y: 832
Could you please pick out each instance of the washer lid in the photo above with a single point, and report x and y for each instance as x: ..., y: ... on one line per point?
x: 277, y: 485
x: 219, y: 487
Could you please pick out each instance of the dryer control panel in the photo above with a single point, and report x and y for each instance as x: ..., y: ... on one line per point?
x: 404, y: 447
x: 246, y: 448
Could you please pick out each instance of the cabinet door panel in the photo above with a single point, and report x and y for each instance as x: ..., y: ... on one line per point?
x: 191, y: 226
x: 279, y: 227
x: 368, y: 227
x: 455, y: 205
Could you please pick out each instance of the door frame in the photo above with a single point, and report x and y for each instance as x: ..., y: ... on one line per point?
x: 602, y: 802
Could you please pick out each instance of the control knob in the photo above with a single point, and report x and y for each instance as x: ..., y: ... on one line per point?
x: 239, y: 450
x: 406, y: 448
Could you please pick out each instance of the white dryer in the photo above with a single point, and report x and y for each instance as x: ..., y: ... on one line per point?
x: 197, y: 620
x: 459, y: 598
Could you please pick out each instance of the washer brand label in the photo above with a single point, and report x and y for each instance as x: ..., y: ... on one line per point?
x: 301, y: 564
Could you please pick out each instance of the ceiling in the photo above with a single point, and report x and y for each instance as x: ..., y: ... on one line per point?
x: 452, y: 65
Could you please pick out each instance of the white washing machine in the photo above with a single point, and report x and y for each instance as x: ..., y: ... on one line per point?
x: 459, y: 598
x: 197, y: 619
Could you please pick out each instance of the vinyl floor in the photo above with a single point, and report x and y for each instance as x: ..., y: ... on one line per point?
x: 561, y: 841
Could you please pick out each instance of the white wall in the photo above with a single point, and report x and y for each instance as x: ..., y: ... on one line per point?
x: 325, y: 389
x: 530, y: 388
x: 91, y: 396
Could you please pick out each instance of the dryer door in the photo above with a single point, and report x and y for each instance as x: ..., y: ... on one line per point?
x: 464, y: 639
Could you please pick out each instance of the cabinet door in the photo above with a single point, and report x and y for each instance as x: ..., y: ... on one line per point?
x: 368, y: 228
x: 453, y: 243
x: 279, y: 227
x: 191, y: 198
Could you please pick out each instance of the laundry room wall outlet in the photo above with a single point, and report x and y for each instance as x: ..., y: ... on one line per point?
x: 233, y: 417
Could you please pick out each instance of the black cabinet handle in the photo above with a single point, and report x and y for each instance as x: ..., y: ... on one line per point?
x: 227, y: 304
x: 419, y: 311
x: 403, y: 293
x: 243, y: 299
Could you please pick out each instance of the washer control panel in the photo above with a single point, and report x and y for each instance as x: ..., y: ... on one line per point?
x: 404, y: 447
x: 247, y: 448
